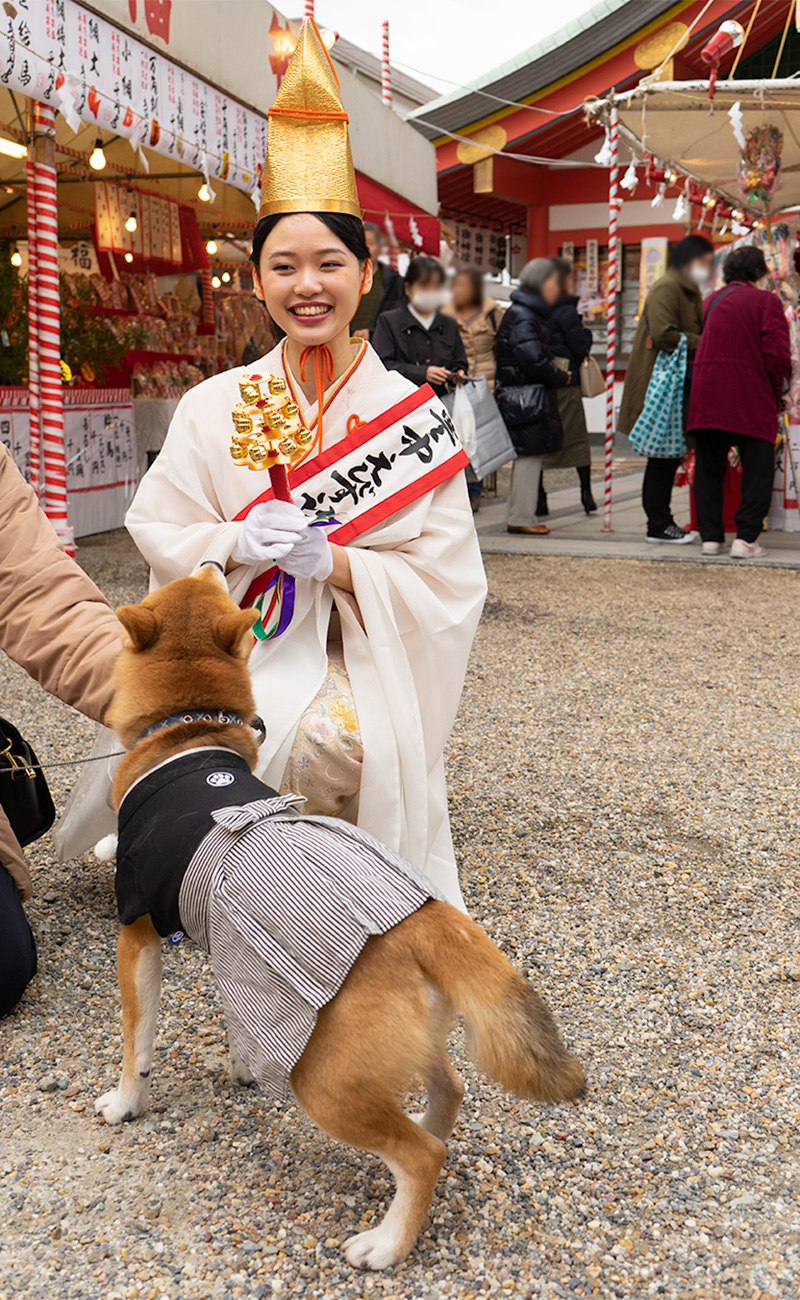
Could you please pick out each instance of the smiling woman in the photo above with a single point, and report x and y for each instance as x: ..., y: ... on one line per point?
x: 369, y: 584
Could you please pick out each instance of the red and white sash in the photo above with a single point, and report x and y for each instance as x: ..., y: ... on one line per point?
x: 373, y: 472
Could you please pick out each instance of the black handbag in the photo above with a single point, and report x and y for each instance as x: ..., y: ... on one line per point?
x: 24, y: 794
x: 531, y: 416
x: 523, y: 405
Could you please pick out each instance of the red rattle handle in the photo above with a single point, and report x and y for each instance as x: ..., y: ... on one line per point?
x: 279, y: 479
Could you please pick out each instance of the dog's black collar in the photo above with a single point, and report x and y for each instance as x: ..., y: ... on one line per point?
x: 217, y: 717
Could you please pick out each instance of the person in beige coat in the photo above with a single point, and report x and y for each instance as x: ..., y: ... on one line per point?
x: 478, y: 318
x: 58, y: 626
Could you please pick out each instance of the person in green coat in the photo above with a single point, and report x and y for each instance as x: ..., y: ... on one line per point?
x: 674, y: 306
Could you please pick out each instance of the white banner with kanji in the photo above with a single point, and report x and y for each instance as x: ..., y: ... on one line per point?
x: 100, y: 451
x: 92, y: 72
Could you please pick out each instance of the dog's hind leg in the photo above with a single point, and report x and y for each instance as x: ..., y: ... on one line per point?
x: 414, y: 1156
x: 445, y: 1094
x: 139, y: 973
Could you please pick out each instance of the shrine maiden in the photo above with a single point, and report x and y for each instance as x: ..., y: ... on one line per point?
x: 370, y: 583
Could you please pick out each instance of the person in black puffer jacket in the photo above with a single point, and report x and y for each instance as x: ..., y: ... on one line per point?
x: 524, y: 357
x: 570, y: 339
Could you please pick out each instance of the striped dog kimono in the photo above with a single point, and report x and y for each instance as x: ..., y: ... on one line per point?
x: 283, y: 903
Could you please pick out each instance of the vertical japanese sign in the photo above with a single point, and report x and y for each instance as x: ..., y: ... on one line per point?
x: 592, y: 281
x: 652, y: 265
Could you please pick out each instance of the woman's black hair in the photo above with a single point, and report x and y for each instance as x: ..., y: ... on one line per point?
x: 746, y: 263
x: 475, y: 277
x: 422, y: 268
x: 689, y: 248
x: 349, y: 229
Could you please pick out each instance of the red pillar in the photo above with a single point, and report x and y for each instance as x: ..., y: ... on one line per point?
x: 538, y: 227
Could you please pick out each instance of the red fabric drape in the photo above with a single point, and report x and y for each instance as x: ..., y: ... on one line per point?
x: 376, y: 201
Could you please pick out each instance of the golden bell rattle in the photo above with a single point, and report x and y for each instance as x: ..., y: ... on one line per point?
x: 267, y: 431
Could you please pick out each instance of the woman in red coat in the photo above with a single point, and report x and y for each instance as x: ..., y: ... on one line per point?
x: 740, y: 378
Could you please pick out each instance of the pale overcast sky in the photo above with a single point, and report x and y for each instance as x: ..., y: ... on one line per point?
x: 456, y: 39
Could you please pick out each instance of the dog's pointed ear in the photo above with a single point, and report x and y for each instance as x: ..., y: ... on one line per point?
x: 233, y: 632
x: 141, y: 625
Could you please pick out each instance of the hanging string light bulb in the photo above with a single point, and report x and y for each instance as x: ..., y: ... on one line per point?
x: 211, y: 247
x: 97, y: 159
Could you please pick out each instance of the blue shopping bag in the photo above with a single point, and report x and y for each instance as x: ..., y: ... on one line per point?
x: 658, y: 432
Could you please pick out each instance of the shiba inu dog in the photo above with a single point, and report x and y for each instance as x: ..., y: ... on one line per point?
x: 183, y: 692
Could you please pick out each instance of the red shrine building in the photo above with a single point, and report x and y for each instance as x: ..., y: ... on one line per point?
x: 502, y: 143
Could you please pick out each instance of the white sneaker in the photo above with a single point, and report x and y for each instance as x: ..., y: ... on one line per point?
x: 742, y: 550
x: 712, y: 548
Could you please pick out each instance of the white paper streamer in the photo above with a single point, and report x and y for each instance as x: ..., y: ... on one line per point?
x: 631, y: 178
x: 67, y: 94
x: 605, y: 154
x: 680, y: 210
x: 658, y: 198
x: 135, y: 140
x: 735, y: 117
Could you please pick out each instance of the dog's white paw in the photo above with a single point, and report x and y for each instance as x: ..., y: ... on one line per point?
x: 105, y: 850
x: 116, y: 1106
x: 375, y: 1249
x: 239, y: 1073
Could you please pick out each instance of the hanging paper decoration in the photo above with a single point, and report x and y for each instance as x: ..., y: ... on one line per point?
x: 680, y: 211
x: 760, y: 163
x: 72, y: 59
x: 631, y: 178
x: 735, y: 116
x: 658, y: 198
x: 605, y: 156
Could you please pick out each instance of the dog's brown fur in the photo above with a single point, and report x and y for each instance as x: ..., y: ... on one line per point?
x: 187, y: 647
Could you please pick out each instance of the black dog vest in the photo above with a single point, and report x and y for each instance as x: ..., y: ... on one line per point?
x: 162, y: 821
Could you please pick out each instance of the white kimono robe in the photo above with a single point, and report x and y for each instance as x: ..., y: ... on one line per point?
x: 418, y: 580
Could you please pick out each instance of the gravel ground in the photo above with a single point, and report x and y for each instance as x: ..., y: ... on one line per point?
x: 625, y: 802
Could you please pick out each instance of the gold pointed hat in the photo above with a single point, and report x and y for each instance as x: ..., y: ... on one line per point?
x: 309, y: 166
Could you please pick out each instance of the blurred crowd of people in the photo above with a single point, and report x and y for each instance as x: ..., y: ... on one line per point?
x: 439, y: 333
x: 737, y: 375
x: 737, y: 380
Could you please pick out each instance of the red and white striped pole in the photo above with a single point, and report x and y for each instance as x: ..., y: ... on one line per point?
x: 386, y: 70
x: 51, y: 419
x: 611, y: 345
x: 33, y: 319
x: 309, y: 10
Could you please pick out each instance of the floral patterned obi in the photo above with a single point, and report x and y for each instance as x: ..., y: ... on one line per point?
x: 325, y: 761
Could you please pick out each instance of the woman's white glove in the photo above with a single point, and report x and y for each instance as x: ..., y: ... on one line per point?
x: 269, y: 532
x: 311, y: 556
x: 278, y: 531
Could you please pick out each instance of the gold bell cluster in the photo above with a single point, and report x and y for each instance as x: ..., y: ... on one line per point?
x: 267, y: 429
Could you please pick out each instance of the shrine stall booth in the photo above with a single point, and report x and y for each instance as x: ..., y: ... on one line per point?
x: 743, y: 187
x: 131, y: 152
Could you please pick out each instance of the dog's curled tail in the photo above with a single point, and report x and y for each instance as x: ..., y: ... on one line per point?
x: 511, y: 1035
